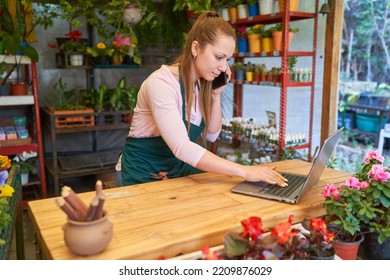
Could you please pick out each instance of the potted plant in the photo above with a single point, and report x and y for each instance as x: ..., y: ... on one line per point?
x: 362, y: 203
x: 119, y: 16
x: 27, y: 164
x: 277, y: 36
x: 242, y: 39
x: 266, y: 40
x: 100, y: 53
x: 74, y: 48
x: 67, y: 106
x: 254, y: 35
x: 284, y: 242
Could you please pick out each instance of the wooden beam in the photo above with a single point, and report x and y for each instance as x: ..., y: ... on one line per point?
x: 333, y: 39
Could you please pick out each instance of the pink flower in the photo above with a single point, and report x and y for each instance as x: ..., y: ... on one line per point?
x: 363, y: 185
x: 329, y: 191
x: 352, y: 182
x: 378, y: 173
x: 373, y: 155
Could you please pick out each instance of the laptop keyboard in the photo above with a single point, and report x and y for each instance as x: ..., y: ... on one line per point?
x: 294, y: 182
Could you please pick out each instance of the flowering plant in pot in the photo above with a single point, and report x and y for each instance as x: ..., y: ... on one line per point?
x: 362, y: 201
x: 27, y: 162
x: 100, y: 51
x: 283, y: 242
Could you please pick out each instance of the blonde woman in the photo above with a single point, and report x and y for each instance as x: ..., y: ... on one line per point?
x: 176, y: 105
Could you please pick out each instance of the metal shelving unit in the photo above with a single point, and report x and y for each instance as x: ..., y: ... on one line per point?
x: 284, y: 18
x: 35, y: 130
x: 91, y: 163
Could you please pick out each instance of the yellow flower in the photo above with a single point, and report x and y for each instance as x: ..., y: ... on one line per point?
x: 101, y: 46
x: 5, y: 162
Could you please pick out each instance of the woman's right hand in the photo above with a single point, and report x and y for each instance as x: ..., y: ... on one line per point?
x: 266, y: 174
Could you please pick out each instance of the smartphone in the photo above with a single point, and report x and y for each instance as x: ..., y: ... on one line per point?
x: 219, y: 81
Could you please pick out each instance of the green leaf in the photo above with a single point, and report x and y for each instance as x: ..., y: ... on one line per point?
x: 386, y: 192
x: 234, y: 244
x: 376, y: 193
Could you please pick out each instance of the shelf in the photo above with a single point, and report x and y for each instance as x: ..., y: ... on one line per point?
x: 13, y: 150
x: 270, y: 84
x: 272, y: 18
x: 16, y: 100
x: 273, y: 54
x: 15, y: 59
x: 79, y: 172
x: 284, y: 18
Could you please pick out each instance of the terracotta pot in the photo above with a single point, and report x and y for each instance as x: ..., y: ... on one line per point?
x: 347, y: 250
x: 88, y: 238
x: 277, y: 39
x: 19, y: 88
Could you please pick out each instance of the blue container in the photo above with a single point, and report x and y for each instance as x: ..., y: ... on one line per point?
x: 369, y: 123
x: 240, y: 75
x: 253, y: 10
x: 242, y: 44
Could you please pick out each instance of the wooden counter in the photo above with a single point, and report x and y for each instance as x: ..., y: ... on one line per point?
x: 178, y: 216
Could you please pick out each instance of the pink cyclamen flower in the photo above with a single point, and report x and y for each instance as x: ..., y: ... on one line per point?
x: 363, y: 185
x: 373, y: 155
x: 378, y: 173
x: 352, y: 182
x: 329, y: 191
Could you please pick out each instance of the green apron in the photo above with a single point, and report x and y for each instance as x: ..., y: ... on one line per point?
x: 147, y: 159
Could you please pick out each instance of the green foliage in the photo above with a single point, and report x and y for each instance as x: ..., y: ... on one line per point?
x: 73, y: 46
x: 64, y: 99
x: 367, y: 55
x: 174, y: 26
x: 292, y: 61
x: 197, y: 6
x: 5, y: 217
x: 363, y: 201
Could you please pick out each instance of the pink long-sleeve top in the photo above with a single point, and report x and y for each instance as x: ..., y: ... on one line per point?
x: 159, y: 113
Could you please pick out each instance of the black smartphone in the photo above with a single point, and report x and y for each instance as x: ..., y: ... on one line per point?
x: 219, y: 81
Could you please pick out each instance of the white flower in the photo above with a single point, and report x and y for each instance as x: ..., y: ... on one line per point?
x: 25, y: 156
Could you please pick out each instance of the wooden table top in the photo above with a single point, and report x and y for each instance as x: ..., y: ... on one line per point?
x: 178, y: 216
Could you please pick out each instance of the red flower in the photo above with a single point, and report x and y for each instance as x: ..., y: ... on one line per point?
x: 74, y: 35
x: 209, y: 255
x: 283, y: 231
x: 252, y: 227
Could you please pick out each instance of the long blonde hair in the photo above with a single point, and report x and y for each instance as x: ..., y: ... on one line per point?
x: 205, y: 30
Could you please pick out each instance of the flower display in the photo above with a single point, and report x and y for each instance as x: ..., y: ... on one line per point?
x: 74, y: 44
x: 118, y: 51
x: 27, y: 162
x: 283, y: 242
x: 241, y: 32
x: 99, y: 49
x: 5, y: 163
x: 362, y: 202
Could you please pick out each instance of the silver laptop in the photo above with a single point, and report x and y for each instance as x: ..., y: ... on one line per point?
x: 298, y: 184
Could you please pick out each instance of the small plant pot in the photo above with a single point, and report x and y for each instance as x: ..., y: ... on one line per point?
x: 19, y: 88
x: 76, y: 59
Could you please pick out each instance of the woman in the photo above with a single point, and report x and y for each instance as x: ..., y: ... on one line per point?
x: 160, y: 143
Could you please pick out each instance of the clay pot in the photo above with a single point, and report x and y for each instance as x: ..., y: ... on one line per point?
x: 19, y: 88
x: 347, y: 250
x: 88, y: 238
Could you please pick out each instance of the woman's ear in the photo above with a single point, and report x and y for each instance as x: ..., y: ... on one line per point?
x: 194, y: 48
